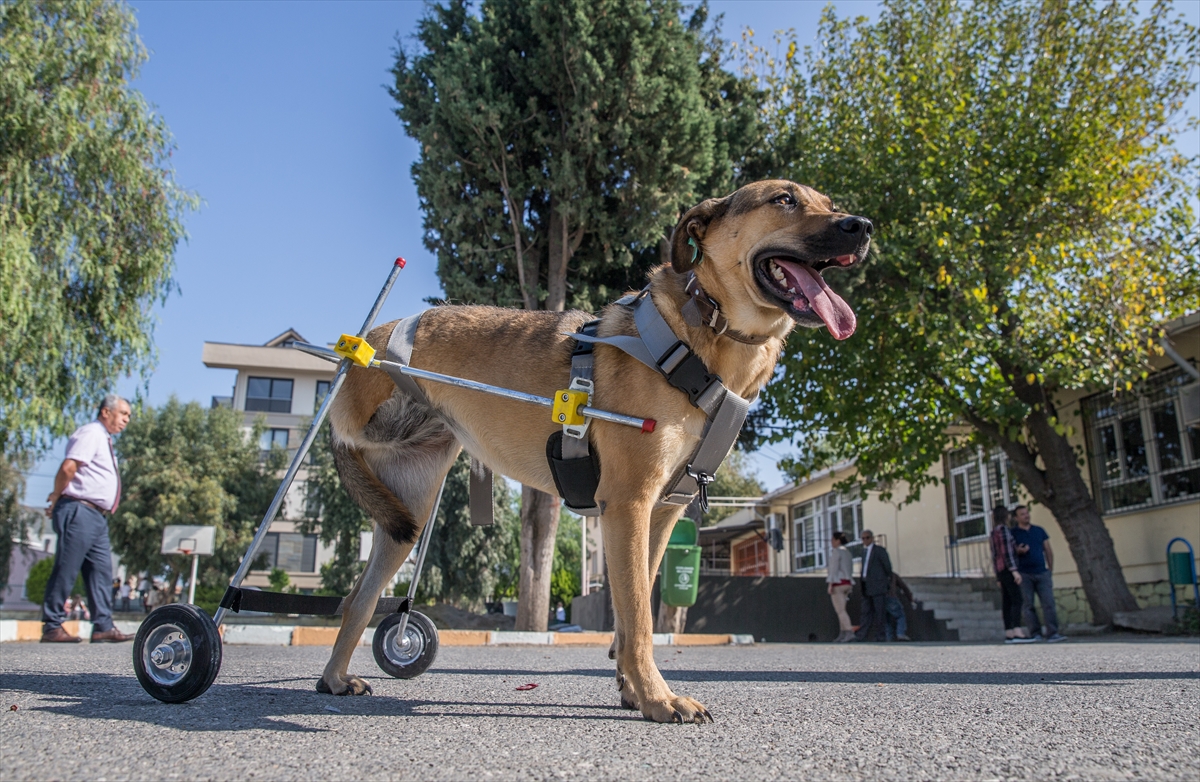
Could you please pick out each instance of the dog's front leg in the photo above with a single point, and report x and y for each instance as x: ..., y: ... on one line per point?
x: 386, y: 558
x: 626, y: 530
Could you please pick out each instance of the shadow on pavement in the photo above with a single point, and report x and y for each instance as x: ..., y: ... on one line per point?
x: 253, y: 706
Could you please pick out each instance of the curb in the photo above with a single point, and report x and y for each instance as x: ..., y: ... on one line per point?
x: 306, y: 635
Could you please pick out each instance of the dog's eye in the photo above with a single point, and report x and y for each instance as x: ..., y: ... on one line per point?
x: 784, y: 200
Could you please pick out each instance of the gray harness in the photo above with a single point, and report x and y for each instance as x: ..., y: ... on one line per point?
x: 658, y: 347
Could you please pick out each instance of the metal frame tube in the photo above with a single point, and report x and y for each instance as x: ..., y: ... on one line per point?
x: 422, y: 549
x: 306, y: 443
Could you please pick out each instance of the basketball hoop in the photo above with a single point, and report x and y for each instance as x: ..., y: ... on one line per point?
x: 186, y: 546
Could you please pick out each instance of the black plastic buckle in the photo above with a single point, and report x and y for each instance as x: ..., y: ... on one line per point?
x: 589, y: 329
x: 232, y: 599
x: 692, y: 377
x: 702, y: 480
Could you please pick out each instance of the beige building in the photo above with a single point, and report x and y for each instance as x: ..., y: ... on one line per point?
x: 1142, y: 452
x: 284, y: 387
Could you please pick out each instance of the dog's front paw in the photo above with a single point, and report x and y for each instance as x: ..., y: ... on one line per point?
x: 351, y: 685
x: 676, y: 709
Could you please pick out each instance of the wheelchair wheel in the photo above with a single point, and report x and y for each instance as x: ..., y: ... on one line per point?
x: 410, y: 656
x: 177, y: 653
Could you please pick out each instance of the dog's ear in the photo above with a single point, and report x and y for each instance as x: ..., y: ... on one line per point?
x: 693, y: 225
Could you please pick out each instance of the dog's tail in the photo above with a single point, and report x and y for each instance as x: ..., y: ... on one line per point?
x: 375, y: 498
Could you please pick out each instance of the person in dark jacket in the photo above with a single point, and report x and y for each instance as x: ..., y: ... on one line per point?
x: 899, y: 598
x: 876, y: 581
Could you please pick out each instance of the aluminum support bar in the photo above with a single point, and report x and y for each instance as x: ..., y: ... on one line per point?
x: 306, y: 443
x: 422, y: 549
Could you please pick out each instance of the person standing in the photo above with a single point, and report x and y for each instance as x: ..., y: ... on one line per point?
x: 876, y: 577
x: 86, y: 489
x: 1035, y: 563
x: 899, y: 598
x: 839, y: 576
x: 1004, y: 561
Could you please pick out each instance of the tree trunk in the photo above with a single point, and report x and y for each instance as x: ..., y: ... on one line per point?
x: 671, y: 619
x: 560, y: 254
x: 1062, y: 489
x: 539, y: 528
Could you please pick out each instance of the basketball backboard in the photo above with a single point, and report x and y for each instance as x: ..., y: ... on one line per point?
x: 186, y: 539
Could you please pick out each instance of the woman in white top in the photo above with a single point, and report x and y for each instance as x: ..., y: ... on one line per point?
x: 840, y: 572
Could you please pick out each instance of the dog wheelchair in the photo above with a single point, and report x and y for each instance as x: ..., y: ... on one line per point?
x: 177, y: 651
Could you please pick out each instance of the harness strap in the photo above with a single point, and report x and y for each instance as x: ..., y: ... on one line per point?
x: 583, y: 364
x: 658, y: 347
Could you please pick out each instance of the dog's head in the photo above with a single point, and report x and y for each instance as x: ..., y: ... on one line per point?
x: 764, y: 249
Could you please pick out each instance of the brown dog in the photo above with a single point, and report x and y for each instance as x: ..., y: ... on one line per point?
x: 758, y: 253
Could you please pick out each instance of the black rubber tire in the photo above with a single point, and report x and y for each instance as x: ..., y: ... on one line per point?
x: 198, y: 632
x: 420, y: 630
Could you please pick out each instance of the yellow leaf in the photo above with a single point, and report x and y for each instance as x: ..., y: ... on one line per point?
x: 1030, y: 378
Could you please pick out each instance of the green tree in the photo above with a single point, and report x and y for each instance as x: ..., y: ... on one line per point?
x: 90, y: 215
x: 1033, y: 228
x: 15, y: 519
x: 183, y: 464
x: 468, y: 565
x: 736, y: 478
x: 559, y: 139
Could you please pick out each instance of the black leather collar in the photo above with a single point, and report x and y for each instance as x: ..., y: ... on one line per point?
x: 703, y: 310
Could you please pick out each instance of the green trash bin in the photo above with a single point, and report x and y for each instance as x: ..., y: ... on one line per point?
x: 681, y: 566
x: 1179, y: 567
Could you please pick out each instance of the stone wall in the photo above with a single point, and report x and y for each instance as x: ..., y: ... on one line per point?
x: 1073, y: 606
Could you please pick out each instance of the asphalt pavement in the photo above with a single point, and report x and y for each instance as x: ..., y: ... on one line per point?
x: 1102, y: 709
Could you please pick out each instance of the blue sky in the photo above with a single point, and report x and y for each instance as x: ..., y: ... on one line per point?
x: 284, y: 128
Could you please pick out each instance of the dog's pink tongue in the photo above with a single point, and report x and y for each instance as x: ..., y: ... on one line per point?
x: 829, y: 306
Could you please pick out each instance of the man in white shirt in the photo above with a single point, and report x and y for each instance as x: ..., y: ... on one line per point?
x: 86, y: 489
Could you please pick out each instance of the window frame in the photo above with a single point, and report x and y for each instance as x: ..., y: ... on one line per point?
x: 995, y: 483
x: 273, y: 403
x: 1113, y: 412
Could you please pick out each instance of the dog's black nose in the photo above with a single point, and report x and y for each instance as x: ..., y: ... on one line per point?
x: 853, y: 225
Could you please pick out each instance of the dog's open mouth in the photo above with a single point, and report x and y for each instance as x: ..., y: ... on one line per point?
x: 806, y: 292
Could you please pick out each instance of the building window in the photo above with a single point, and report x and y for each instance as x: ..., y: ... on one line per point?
x: 808, y: 534
x: 751, y: 557
x: 291, y: 551
x: 979, y: 482
x: 322, y: 392
x: 273, y: 438
x: 815, y: 521
x: 1141, y: 452
x: 268, y: 395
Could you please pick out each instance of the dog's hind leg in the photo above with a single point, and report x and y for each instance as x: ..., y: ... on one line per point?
x: 423, y: 471
x: 387, y: 555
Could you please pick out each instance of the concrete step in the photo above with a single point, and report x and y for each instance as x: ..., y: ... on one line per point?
x: 940, y: 608
x: 980, y: 636
x: 976, y: 624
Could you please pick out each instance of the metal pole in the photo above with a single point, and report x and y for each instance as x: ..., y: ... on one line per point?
x: 422, y: 548
x: 192, y: 581
x: 583, y: 557
x: 302, y: 451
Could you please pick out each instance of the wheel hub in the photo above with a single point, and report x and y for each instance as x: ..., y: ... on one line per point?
x: 167, y: 654
x: 406, y: 649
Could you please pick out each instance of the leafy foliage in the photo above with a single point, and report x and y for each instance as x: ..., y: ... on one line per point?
x: 1034, y: 227
x: 38, y: 579
x: 15, y: 519
x: 467, y: 565
x: 558, y: 141
x: 89, y: 214
x: 183, y: 464
x: 1033, y: 218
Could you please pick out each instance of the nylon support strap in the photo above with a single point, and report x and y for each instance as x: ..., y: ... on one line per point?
x: 658, y: 347
x: 238, y: 599
x: 399, y: 350
x: 482, y: 506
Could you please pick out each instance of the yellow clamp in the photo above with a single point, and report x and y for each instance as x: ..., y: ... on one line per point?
x: 356, y: 349
x: 566, y: 407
